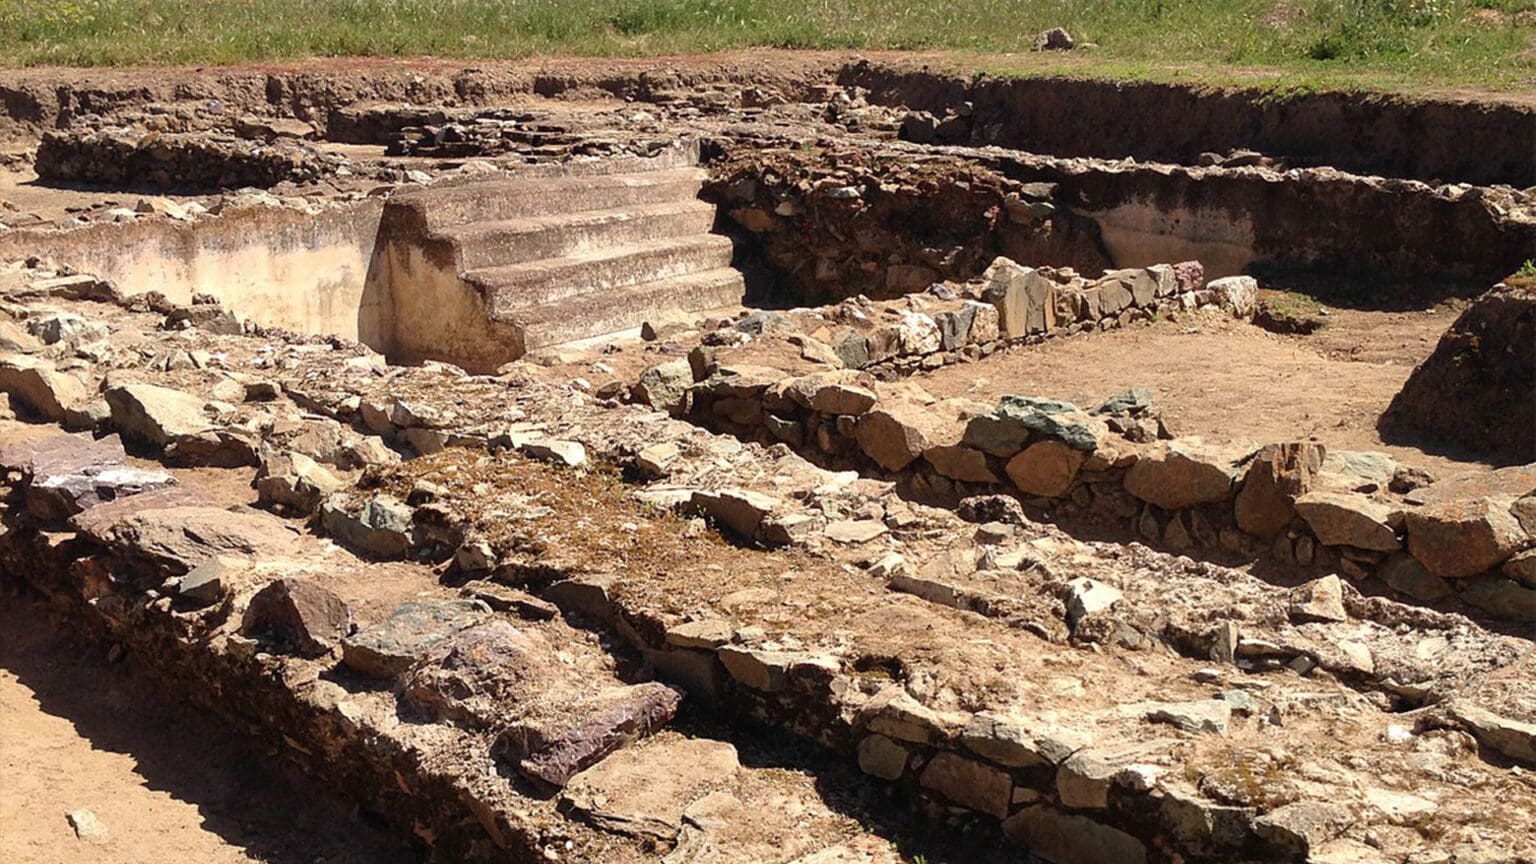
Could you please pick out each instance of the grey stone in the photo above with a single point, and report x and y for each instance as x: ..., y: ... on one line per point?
x: 570, y: 454
x: 1025, y: 299
x: 1134, y: 402
x: 665, y: 386
x: 1008, y: 742
x: 382, y: 528
x: 87, y: 826
x: 1513, y: 738
x: 1207, y: 715
x: 1007, y: 429
x: 1086, y: 596
x: 413, y: 629
x: 1403, y: 573
x: 203, y: 584
x: 1238, y: 295
x: 1297, y: 829
x: 1500, y: 597
x: 66, y: 327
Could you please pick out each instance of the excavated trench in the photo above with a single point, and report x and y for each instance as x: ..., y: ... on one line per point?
x: 840, y: 374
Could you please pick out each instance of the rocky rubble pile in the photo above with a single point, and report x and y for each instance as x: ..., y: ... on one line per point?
x: 1085, y: 700
x: 1475, y: 391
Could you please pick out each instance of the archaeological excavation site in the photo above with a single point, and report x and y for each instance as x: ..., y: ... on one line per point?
x: 783, y: 458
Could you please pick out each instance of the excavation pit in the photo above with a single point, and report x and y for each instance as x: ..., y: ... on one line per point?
x: 629, y: 467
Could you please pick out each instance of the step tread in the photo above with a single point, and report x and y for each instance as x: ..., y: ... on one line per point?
x: 573, y: 220
x: 613, y: 310
x: 516, y: 274
x: 718, y: 277
x: 555, y: 184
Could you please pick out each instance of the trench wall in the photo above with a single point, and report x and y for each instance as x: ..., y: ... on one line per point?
x: 280, y: 267
x: 1367, y: 133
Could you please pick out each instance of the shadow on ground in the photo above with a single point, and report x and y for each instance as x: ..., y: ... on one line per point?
x: 241, y: 793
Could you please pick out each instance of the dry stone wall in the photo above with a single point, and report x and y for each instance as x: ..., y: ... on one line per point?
x: 1358, y: 514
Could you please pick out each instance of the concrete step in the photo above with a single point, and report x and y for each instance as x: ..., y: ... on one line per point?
x: 614, y: 309
x: 516, y: 287
x: 543, y: 196
x: 513, y: 241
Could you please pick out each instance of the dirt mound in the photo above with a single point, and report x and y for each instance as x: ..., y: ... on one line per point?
x: 1478, y: 390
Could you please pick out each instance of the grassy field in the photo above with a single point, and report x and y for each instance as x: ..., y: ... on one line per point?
x: 1392, y: 43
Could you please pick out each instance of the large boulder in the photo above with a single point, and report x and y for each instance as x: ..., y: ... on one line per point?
x: 1183, y: 473
x: 171, y: 531
x: 1474, y: 391
x: 1046, y: 468
x: 1457, y: 539
x: 1025, y: 299
x: 40, y: 388
x: 1265, y: 503
x: 67, y: 474
x: 1349, y: 519
x: 1018, y: 420
x: 1238, y: 295
x: 176, y: 422
x: 902, y: 426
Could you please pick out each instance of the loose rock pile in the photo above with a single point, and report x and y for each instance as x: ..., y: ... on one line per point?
x: 1082, y: 699
x: 1474, y: 392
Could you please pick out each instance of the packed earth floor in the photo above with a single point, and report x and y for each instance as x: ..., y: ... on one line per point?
x: 723, y: 460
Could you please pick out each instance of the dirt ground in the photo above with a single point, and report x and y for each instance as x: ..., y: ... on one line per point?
x: 167, y: 783
x: 1227, y: 380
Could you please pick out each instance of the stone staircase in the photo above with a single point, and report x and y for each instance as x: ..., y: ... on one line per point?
x: 484, y: 272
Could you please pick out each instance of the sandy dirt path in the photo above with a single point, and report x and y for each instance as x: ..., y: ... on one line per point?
x: 168, y: 783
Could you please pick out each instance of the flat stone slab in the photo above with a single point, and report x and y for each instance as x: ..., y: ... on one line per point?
x: 393, y: 646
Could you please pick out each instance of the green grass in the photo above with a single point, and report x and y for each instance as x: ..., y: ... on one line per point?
x: 1397, y: 43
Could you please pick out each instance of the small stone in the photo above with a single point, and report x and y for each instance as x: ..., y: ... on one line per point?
x: 1319, y: 600
x: 571, y: 454
x: 203, y: 584
x: 709, y: 633
x: 1086, y: 596
x: 854, y: 531
x: 1210, y: 715
x: 87, y: 826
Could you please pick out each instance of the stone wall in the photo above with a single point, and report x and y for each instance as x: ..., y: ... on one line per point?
x: 180, y: 162
x: 1357, y: 514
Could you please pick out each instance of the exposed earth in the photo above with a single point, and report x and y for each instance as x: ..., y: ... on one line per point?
x: 766, y: 458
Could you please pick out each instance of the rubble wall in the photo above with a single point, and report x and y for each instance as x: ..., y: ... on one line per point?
x: 896, y: 220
